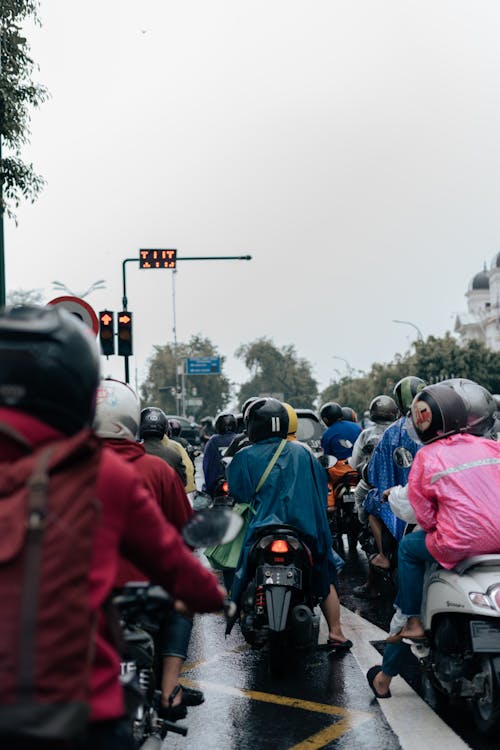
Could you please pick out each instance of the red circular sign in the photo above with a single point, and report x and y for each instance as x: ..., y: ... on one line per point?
x: 80, y: 308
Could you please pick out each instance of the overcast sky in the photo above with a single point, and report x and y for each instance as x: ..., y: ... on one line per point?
x: 351, y: 147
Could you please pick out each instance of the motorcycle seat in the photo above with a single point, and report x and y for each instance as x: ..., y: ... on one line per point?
x: 477, y: 561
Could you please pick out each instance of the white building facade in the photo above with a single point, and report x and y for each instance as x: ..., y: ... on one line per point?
x: 482, y: 319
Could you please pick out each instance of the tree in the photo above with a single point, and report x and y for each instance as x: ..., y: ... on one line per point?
x: 433, y: 360
x: 18, y: 94
x: 25, y: 297
x: 278, y: 371
x: 213, y: 390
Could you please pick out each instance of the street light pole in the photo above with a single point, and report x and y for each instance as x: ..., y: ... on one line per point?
x: 409, y: 323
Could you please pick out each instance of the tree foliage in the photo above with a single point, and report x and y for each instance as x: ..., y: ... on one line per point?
x: 25, y: 297
x: 18, y: 95
x: 214, y: 390
x: 278, y: 371
x: 433, y: 360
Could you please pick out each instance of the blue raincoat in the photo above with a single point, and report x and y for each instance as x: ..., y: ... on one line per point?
x: 294, y: 493
x: 389, y: 466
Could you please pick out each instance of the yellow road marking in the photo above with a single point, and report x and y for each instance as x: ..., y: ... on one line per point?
x: 350, y: 720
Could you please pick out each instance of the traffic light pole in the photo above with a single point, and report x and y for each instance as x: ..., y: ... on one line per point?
x: 192, y: 257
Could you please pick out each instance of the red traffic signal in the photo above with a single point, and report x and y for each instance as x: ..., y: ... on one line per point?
x: 107, y: 332
x: 125, y: 333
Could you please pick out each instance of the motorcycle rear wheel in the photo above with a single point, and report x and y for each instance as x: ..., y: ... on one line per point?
x: 277, y: 654
x: 486, y: 710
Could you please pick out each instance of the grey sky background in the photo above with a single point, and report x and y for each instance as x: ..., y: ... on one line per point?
x: 351, y: 147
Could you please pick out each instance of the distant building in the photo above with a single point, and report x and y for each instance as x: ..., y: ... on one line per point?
x: 481, y: 322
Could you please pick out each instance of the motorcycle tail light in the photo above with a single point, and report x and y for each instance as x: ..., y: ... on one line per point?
x: 481, y: 600
x: 495, y: 596
x: 280, y: 546
x: 225, y: 487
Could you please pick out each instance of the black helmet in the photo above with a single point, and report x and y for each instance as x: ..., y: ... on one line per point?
x: 266, y: 418
x: 479, y: 402
x: 154, y: 422
x: 174, y: 428
x: 383, y: 409
x: 331, y: 412
x: 349, y: 414
x: 438, y: 411
x: 225, y: 422
x: 246, y: 404
x: 49, y: 366
x: 405, y: 391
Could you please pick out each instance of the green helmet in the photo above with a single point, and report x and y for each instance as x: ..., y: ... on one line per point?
x: 405, y: 391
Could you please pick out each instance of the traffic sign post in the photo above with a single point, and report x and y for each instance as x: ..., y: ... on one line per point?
x: 203, y: 366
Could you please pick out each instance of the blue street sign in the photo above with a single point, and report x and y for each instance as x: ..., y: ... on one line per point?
x: 203, y: 366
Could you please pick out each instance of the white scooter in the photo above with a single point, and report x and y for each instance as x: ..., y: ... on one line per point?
x: 461, y: 618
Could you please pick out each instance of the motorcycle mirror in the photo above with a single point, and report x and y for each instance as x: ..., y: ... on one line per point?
x: 213, y: 526
x: 202, y: 500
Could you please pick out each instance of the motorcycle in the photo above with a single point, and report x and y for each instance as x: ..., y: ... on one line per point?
x: 277, y: 606
x: 341, y: 508
x: 460, y: 658
x: 142, y: 609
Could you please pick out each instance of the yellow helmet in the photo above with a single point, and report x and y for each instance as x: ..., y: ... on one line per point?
x: 293, y: 421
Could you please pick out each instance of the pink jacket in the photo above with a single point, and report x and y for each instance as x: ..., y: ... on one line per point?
x: 454, y: 488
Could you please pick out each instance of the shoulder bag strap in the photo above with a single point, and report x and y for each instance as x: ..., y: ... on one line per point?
x: 270, y: 465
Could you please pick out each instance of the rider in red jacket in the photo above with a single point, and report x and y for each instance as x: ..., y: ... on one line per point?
x: 49, y: 372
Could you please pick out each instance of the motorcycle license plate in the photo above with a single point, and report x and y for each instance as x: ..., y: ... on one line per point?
x: 348, y: 498
x: 278, y: 575
x: 485, y: 636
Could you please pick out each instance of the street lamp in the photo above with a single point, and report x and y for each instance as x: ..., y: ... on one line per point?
x: 100, y: 284
x: 409, y: 323
x: 350, y: 369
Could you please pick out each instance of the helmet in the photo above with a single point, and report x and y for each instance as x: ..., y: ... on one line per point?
x: 331, y: 412
x: 349, y: 414
x: 173, y: 427
x: 438, y: 411
x: 293, y: 420
x: 154, y: 422
x: 405, y: 391
x: 266, y: 418
x: 383, y: 409
x: 246, y: 404
x: 49, y: 366
x: 225, y: 422
x: 479, y: 402
x: 118, y: 412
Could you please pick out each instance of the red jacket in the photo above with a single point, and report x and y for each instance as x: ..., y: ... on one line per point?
x: 130, y: 522
x: 164, y: 484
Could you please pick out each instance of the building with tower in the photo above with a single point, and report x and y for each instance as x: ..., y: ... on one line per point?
x: 482, y: 319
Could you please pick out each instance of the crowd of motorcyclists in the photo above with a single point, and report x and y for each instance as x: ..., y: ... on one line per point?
x: 428, y: 477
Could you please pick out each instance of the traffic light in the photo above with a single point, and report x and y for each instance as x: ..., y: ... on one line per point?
x: 125, y: 333
x: 107, y: 332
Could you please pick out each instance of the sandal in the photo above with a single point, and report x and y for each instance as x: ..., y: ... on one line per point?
x: 370, y: 676
x: 191, y: 696
x: 171, y: 712
x: 338, y: 647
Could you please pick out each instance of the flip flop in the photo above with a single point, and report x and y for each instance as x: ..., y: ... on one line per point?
x: 338, y: 647
x: 370, y: 676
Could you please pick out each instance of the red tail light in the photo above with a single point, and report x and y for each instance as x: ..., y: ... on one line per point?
x: 225, y: 487
x: 279, y: 545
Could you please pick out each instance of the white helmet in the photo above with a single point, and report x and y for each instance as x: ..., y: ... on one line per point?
x: 118, y: 412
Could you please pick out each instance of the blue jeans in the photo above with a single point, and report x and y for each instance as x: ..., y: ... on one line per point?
x: 175, y: 634
x: 393, y: 654
x: 412, y: 558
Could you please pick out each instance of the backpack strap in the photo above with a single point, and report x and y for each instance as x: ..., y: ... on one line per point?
x: 270, y: 465
x: 6, y: 429
x: 38, y: 485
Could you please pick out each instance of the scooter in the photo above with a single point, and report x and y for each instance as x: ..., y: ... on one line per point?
x: 461, y: 655
x: 277, y: 606
x: 341, y: 507
x: 142, y: 609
